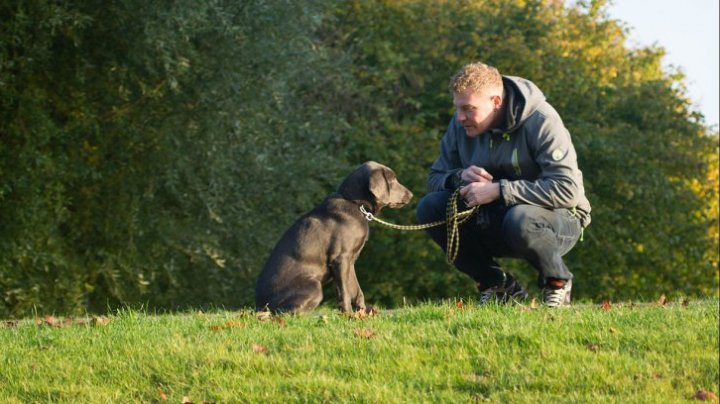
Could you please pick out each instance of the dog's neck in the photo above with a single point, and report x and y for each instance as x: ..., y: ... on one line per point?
x: 370, y: 206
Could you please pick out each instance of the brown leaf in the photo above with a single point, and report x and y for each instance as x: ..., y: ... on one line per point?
x: 257, y: 348
x: 613, y: 330
x: 358, y: 314
x: 163, y: 396
x: 371, y: 311
x: 280, y: 322
x: 186, y: 400
x: 704, y: 395
x: 263, y: 315
x: 460, y: 303
x: 234, y: 324
x: 593, y: 347
x: 657, y: 376
x: 364, y: 333
x: 100, y: 321
x: 53, y: 322
x: 686, y: 302
x: 10, y: 323
x: 216, y: 328
x: 606, y: 305
x: 662, y: 301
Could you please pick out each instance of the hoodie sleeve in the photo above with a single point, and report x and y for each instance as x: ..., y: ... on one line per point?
x: 559, y: 184
x: 448, y: 163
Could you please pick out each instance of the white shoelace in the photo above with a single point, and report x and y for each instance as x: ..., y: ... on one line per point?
x: 557, y: 297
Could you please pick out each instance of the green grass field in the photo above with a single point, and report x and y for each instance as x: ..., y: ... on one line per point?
x: 434, y: 352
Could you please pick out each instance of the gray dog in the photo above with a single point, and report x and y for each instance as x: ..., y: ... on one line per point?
x: 323, y: 245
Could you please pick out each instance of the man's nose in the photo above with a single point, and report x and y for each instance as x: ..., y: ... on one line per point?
x: 460, y: 116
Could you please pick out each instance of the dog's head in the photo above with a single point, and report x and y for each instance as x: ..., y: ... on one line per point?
x: 376, y: 184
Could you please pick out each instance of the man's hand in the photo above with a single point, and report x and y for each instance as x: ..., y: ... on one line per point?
x: 475, y: 174
x: 480, y: 193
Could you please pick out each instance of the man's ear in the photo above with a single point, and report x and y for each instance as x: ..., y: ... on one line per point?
x: 497, y: 101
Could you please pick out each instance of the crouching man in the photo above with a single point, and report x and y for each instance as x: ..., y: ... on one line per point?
x: 508, y: 151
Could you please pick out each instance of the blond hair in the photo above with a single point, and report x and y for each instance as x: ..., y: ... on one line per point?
x: 477, y: 77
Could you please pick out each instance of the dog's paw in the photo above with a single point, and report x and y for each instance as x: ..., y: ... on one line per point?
x: 371, y: 311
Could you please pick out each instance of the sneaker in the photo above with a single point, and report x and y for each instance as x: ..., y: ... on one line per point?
x: 508, y: 291
x: 557, y: 293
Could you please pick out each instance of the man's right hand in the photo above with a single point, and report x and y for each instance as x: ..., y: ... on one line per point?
x: 475, y: 174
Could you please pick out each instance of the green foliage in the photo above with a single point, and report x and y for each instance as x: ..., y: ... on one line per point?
x: 152, y: 154
x: 428, y: 353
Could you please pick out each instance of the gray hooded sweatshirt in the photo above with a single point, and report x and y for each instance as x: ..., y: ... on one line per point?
x: 532, y: 156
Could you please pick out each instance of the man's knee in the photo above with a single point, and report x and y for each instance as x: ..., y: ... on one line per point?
x: 432, y: 207
x: 523, y: 224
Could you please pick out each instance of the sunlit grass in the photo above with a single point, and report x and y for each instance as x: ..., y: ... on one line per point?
x: 435, y: 352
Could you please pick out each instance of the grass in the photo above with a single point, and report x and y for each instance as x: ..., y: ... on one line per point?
x: 434, y: 352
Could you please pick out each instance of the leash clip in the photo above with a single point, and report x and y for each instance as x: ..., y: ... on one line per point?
x: 369, y: 216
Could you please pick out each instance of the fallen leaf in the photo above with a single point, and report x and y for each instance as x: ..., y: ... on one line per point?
x: 364, y: 333
x: 613, y: 330
x: 257, y: 348
x: 358, y: 315
x: 186, y: 400
x: 593, y: 347
x: 216, y: 328
x: 100, y: 321
x: 686, y: 302
x: 657, y: 376
x: 53, y: 322
x: 234, y: 324
x: 459, y: 304
x: 263, y: 315
x: 704, y: 395
x: 280, y: 322
x: 606, y: 305
x: 534, y: 304
x: 10, y: 323
x: 163, y: 396
x: 662, y: 301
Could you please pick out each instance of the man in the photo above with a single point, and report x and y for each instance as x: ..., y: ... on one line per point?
x: 510, y: 154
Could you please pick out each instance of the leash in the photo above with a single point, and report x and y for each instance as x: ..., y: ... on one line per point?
x: 453, y: 219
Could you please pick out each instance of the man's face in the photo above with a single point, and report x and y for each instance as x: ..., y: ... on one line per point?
x: 474, y: 111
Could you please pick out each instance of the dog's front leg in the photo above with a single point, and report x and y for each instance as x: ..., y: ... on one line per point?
x: 346, y: 285
x: 358, y: 298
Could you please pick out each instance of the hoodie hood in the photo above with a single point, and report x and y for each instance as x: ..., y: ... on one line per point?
x: 522, y: 99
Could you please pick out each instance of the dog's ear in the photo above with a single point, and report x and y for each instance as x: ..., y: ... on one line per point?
x: 380, y: 185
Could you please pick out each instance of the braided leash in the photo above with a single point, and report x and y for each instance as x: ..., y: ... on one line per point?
x: 453, y: 219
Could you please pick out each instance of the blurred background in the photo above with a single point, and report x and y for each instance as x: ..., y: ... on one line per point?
x: 152, y: 153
